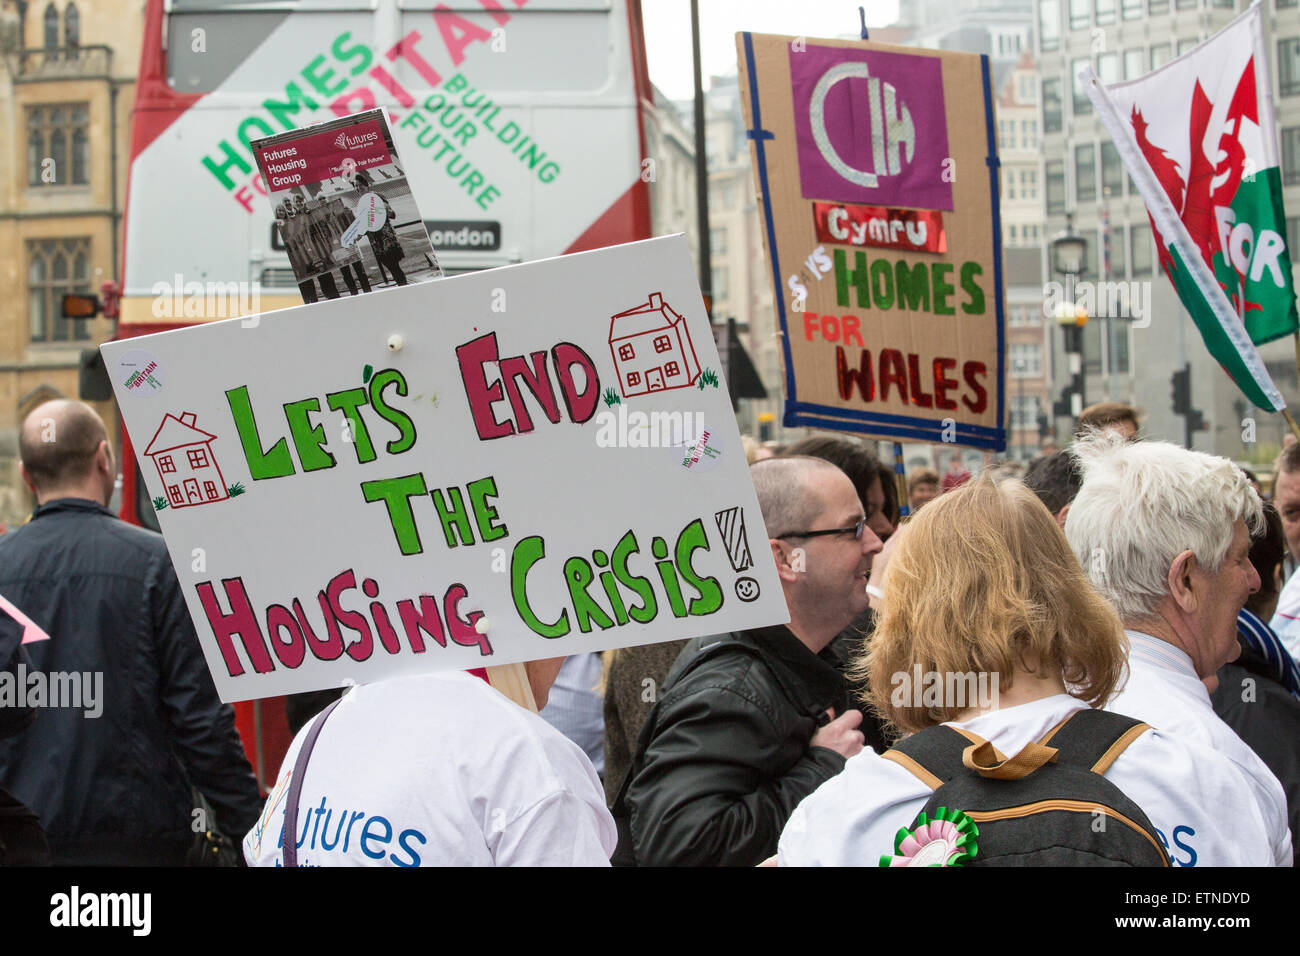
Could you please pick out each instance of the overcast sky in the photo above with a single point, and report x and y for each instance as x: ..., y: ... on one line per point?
x: 668, y: 31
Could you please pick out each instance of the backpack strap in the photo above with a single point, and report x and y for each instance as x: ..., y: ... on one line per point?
x: 933, y: 755
x: 985, y: 760
x: 940, y: 753
x: 1093, y: 739
x: 977, y: 740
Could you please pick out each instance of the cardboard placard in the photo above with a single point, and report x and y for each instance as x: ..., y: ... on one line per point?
x: 877, y: 169
x: 513, y: 464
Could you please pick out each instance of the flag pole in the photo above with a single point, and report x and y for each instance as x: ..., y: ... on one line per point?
x: 1295, y: 430
x: 900, y: 482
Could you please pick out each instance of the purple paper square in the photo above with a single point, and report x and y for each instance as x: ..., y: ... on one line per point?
x: 870, y: 127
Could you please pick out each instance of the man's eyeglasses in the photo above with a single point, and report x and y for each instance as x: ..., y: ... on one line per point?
x: 856, y: 531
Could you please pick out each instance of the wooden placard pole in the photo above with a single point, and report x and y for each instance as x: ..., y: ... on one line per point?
x: 512, y: 680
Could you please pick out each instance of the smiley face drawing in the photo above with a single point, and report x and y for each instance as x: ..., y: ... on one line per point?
x: 747, y: 589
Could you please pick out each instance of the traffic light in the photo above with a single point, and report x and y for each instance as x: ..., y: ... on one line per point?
x: 1182, y: 390
x: 1073, y: 338
x: 1044, y: 427
x: 1181, y: 393
x: 87, y: 306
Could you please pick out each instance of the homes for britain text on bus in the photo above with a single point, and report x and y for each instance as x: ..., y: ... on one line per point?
x: 517, y: 121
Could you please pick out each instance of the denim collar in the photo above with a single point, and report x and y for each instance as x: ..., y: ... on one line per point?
x: 69, y: 504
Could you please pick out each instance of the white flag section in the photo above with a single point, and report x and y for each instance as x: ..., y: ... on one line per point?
x: 1198, y: 138
x: 526, y: 462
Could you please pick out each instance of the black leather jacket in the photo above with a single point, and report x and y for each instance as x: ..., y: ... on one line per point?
x: 725, y: 755
x: 115, y: 788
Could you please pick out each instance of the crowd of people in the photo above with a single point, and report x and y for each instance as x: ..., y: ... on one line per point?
x: 1088, y: 661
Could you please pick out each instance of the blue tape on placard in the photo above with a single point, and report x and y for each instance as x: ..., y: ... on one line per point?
x: 995, y: 201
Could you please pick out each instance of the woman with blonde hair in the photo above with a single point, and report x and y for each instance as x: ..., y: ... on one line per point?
x: 989, y: 627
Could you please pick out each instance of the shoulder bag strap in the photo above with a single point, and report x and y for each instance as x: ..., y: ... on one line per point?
x: 290, y: 841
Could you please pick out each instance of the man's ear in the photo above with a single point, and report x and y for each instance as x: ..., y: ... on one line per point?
x: 784, y: 557
x: 27, y: 479
x: 1062, y: 515
x: 1180, y: 581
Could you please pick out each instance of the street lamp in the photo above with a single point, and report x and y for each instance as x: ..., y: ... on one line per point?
x: 1069, y: 252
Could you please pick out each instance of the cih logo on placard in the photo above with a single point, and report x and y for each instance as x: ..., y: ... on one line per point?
x: 344, y: 141
x: 870, y: 127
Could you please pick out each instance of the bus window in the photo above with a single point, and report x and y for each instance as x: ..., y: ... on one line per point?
x: 206, y: 52
x: 561, y: 47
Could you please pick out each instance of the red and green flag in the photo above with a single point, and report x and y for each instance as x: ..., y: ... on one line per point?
x: 1199, y: 140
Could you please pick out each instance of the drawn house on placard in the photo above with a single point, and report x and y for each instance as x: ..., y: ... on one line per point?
x: 186, y: 466
x: 652, y: 349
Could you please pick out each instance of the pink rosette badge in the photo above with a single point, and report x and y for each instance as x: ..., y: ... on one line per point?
x: 946, y: 840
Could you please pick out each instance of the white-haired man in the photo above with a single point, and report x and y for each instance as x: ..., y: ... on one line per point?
x: 1164, y: 534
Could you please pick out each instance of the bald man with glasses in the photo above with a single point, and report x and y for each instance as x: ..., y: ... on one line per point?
x: 748, y: 724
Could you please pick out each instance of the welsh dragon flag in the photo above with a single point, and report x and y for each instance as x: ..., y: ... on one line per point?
x: 1198, y: 138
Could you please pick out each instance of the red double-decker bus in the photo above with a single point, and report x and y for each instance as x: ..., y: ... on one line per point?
x: 520, y: 123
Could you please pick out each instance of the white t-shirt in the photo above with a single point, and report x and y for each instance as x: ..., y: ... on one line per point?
x: 852, y: 819
x: 438, y: 770
x: 1163, y: 690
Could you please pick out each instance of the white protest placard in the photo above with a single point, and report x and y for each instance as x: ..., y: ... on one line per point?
x: 527, y: 462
